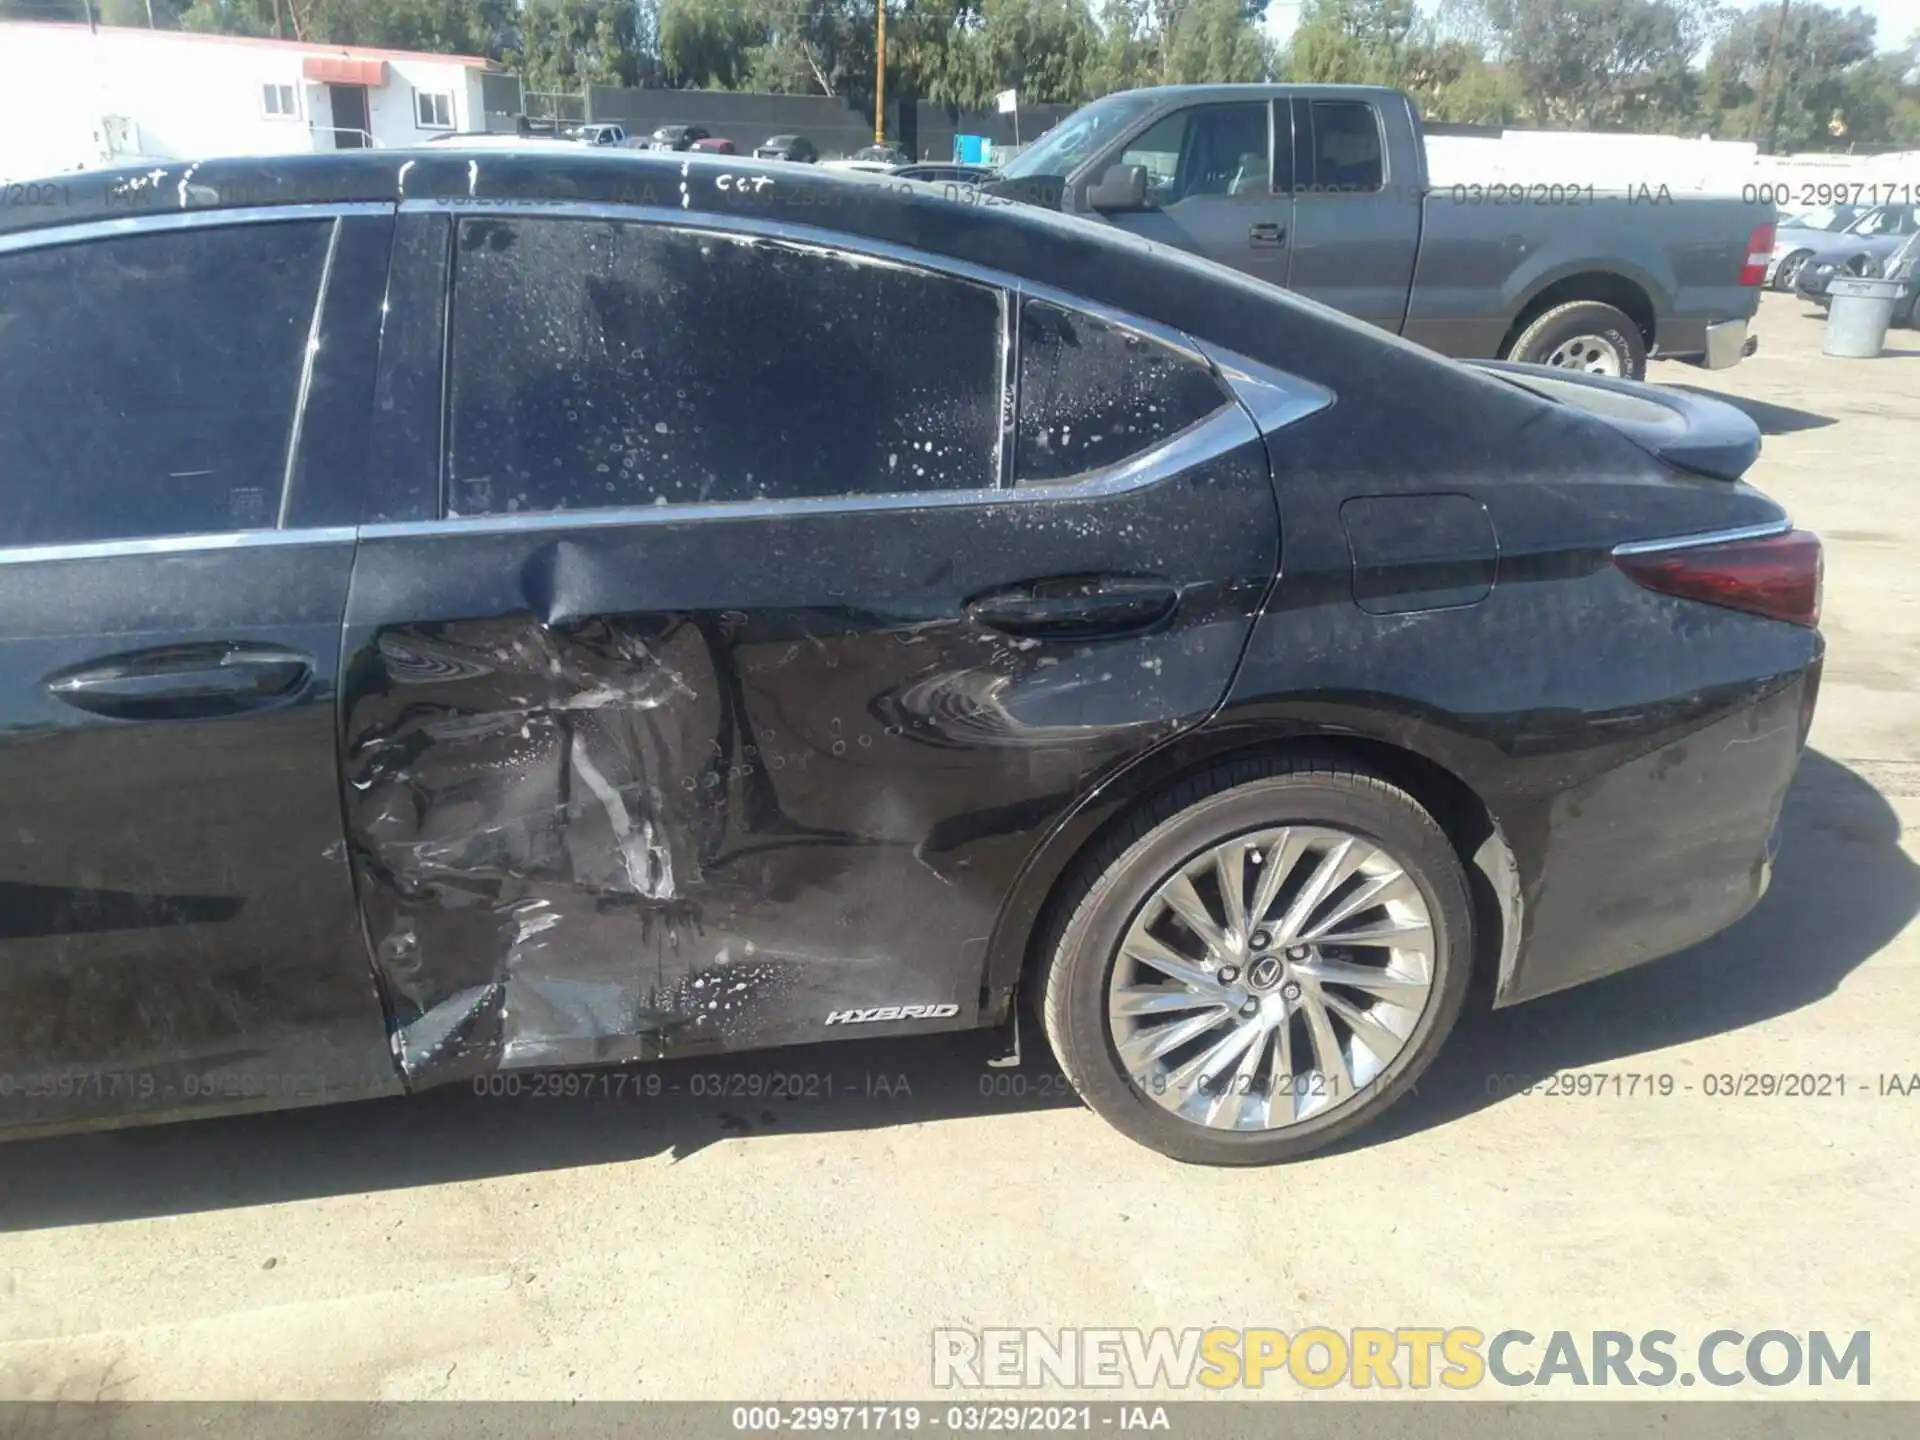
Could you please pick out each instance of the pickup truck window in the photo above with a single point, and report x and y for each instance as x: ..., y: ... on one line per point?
x: 1205, y: 150
x: 1346, y: 147
x: 1074, y: 139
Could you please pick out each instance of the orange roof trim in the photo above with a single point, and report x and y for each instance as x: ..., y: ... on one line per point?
x: 336, y: 70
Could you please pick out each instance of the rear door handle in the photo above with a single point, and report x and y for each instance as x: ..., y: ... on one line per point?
x: 1267, y: 232
x: 184, y: 682
x: 1077, y: 607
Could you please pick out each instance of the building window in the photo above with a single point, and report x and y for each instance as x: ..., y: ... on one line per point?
x: 279, y: 102
x: 435, y: 112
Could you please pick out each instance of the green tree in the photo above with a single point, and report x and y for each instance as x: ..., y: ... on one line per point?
x: 1128, y: 53
x: 1048, y: 50
x: 1602, y: 64
x: 707, y: 44
x: 1215, y: 40
x: 566, y: 45
x: 1826, y: 89
x: 1352, y: 42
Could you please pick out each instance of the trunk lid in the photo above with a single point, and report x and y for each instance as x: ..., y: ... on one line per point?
x: 1694, y: 432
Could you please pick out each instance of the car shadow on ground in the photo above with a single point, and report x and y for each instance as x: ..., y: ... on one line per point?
x: 1842, y: 889
x: 1772, y: 419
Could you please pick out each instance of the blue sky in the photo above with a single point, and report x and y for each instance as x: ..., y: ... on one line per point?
x: 1898, y: 18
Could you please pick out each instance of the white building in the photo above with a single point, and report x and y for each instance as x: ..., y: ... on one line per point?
x: 73, y: 98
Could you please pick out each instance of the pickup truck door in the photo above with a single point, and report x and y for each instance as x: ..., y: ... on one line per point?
x: 1218, y: 179
x: 1356, y: 223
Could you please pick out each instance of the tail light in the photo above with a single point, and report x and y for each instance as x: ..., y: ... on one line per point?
x: 1759, y: 252
x: 1777, y: 576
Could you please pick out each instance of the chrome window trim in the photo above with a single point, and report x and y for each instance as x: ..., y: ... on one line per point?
x: 1268, y: 397
x: 811, y: 237
x: 177, y: 544
x: 1226, y: 429
x: 1705, y: 537
x: 1274, y: 399
x: 205, y: 217
x: 305, y: 390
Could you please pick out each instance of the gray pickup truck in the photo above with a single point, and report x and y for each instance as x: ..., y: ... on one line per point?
x: 1323, y: 189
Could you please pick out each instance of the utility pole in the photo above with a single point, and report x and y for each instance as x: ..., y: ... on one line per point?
x: 880, y: 72
x: 93, y: 27
x: 1766, y: 76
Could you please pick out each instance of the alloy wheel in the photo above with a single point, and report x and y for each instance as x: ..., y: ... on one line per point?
x: 1272, y: 978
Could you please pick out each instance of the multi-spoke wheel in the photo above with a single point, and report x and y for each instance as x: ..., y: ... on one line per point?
x: 1259, y: 967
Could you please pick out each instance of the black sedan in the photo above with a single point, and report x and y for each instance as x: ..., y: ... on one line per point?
x: 1814, y: 281
x: 504, y: 611
x: 675, y: 137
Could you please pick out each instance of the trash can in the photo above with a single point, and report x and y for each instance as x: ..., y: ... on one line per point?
x: 1859, y: 315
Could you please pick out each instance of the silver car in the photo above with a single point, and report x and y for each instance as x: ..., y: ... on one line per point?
x: 1874, y: 235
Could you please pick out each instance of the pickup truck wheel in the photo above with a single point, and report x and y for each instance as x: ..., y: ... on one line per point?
x: 1584, y: 335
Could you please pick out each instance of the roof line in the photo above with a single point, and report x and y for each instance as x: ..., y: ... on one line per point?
x: 300, y: 47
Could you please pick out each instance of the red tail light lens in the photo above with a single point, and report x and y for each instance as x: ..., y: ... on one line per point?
x: 1777, y: 576
x: 1759, y: 252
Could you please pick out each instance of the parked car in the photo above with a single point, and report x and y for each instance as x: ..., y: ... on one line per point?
x: 677, y: 137
x: 882, y: 159
x: 602, y: 134
x: 613, y: 707
x: 788, y: 147
x: 716, y: 145
x: 946, y: 173
x: 1815, y: 279
x: 1338, y: 208
x: 1821, y: 217
x: 1874, y: 234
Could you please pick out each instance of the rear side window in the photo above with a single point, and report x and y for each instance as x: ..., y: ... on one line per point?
x: 611, y: 363
x: 1346, y: 147
x: 1093, y: 393
x: 148, y: 383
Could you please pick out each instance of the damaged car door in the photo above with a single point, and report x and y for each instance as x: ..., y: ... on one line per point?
x: 183, y: 413
x: 724, y: 637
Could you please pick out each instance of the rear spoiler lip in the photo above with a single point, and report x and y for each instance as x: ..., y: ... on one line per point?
x: 1699, y: 434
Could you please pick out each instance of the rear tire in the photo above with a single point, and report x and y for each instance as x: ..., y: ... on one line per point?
x: 1296, y: 1055
x: 1584, y: 335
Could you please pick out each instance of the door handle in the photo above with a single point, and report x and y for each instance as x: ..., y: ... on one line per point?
x: 1078, y: 607
x: 184, y: 682
x: 1267, y: 232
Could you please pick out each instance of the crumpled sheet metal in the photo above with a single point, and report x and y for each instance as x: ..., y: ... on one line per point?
x: 514, y: 800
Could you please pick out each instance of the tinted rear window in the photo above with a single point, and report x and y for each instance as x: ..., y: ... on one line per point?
x: 600, y: 363
x: 1093, y: 393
